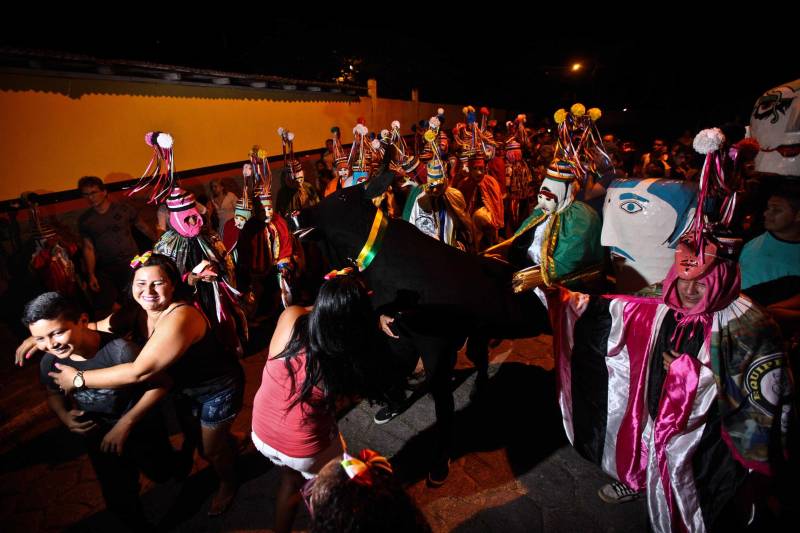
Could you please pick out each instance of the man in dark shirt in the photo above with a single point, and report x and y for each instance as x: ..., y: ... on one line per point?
x: 108, y: 243
x: 121, y: 432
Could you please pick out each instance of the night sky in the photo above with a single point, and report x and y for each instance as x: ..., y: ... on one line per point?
x: 668, y: 78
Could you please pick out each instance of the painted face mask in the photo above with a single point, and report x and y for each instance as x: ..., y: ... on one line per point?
x: 557, y: 190
x: 243, y: 210
x: 266, y: 203
x: 239, y: 221
x: 687, y: 262
x: 550, y: 195
x: 775, y: 124
x: 183, y: 214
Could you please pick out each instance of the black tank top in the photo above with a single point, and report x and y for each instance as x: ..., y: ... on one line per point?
x: 205, y: 363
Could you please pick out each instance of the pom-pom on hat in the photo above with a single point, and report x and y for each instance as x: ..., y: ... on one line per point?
x: 160, y: 172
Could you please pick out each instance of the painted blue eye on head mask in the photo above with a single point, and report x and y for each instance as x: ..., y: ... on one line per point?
x: 631, y: 206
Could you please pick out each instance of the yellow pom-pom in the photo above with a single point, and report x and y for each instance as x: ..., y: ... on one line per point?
x: 262, y: 154
x: 595, y: 114
x: 430, y: 136
x: 560, y: 116
x: 578, y: 110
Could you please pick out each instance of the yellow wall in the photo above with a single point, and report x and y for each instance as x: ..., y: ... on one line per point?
x: 55, y: 130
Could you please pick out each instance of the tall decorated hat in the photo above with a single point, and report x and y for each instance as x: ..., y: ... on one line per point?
x: 579, y: 140
x: 517, y: 137
x: 340, y: 161
x: 708, y: 238
x: 291, y: 164
x: 262, y: 189
x: 435, y: 166
x: 360, y: 152
x: 159, y: 175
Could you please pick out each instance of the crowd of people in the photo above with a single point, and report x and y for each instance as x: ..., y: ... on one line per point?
x: 680, y: 390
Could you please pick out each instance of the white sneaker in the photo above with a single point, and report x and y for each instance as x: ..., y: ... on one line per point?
x: 617, y: 492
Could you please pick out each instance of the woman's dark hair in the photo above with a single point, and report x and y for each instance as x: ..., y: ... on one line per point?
x: 50, y: 306
x: 344, y: 506
x: 168, y: 266
x: 343, y: 346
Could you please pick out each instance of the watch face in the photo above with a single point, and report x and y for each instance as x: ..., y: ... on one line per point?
x: 78, y: 381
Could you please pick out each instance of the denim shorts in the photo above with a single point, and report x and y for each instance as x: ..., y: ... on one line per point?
x: 219, y: 404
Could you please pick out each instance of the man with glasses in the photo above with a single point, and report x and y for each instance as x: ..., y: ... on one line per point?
x: 108, y: 243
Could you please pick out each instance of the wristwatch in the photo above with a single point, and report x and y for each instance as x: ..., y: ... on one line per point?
x: 78, y: 381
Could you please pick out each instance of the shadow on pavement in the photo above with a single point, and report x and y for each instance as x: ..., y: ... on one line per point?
x: 518, y: 412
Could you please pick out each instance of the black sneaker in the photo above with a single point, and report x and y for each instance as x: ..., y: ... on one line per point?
x: 438, y: 474
x: 386, y: 414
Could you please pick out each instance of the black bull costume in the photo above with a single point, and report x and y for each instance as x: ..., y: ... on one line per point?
x: 438, y: 294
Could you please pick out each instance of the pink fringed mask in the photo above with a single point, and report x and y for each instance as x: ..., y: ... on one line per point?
x: 183, y: 214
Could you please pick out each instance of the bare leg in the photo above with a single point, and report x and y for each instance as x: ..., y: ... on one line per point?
x: 218, y: 450
x: 287, y: 499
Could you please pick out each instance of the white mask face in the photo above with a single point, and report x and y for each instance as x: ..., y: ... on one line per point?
x: 239, y: 221
x: 775, y: 124
x: 640, y: 219
x: 547, y: 203
x: 552, y: 195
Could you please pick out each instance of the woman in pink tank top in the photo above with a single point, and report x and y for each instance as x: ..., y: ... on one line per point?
x: 317, y: 355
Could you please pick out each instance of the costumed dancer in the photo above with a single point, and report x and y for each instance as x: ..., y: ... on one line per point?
x: 265, y: 245
x: 295, y: 193
x: 437, y: 209
x: 52, y: 255
x: 197, y: 250
x: 244, y: 206
x: 518, y: 176
x: 405, y: 166
x: 683, y: 396
x: 560, y: 240
x: 482, y: 191
x: 343, y: 174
